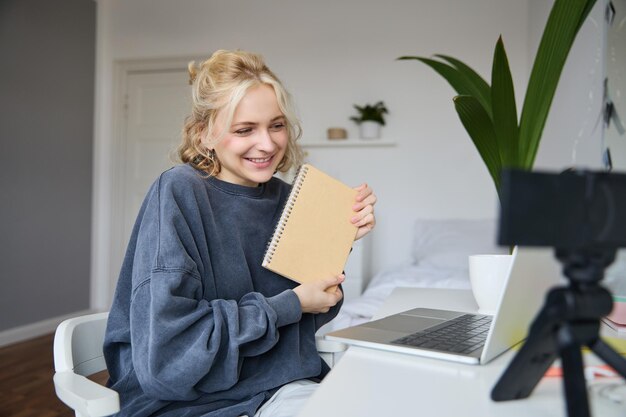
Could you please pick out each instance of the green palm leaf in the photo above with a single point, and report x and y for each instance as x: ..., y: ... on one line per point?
x: 461, y: 78
x: 504, y: 108
x: 585, y: 13
x: 480, y: 128
x: 482, y: 89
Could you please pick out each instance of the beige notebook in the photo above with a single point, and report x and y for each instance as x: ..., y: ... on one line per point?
x: 314, y: 235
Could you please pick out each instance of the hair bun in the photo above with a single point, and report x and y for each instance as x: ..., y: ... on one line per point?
x: 193, y: 71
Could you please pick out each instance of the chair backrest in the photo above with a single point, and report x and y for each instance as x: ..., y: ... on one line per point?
x: 78, y: 344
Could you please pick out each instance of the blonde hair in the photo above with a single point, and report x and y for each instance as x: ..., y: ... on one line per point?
x: 219, y: 83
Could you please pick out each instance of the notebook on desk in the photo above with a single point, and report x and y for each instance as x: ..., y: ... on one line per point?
x: 431, y: 333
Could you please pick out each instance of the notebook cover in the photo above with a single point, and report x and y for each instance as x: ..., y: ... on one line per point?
x: 314, y: 235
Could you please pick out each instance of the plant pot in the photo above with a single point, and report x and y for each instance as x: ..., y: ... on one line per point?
x: 487, y: 275
x: 369, y: 130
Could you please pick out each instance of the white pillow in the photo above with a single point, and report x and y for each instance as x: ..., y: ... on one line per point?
x: 448, y: 243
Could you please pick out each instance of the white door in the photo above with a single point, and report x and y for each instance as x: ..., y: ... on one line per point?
x: 156, y: 103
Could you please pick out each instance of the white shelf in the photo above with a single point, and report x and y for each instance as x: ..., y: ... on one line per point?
x: 346, y: 143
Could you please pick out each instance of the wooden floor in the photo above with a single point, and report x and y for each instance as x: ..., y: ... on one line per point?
x: 26, y: 388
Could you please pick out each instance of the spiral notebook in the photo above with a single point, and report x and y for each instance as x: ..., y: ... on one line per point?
x: 314, y: 235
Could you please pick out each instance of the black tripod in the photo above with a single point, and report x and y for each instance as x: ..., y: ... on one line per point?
x: 569, y: 320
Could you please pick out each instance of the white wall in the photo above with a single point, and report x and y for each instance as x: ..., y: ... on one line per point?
x: 616, y: 73
x: 332, y: 54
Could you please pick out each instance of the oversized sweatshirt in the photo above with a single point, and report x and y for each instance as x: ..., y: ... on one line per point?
x: 197, y: 326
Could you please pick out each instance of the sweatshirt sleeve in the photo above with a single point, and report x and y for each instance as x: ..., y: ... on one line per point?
x: 182, y: 344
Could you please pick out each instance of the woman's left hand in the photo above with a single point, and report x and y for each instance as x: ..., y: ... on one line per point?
x: 364, y: 208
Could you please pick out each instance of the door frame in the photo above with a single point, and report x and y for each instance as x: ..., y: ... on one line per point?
x: 108, y: 172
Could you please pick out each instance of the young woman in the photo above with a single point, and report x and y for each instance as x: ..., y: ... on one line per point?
x: 197, y: 326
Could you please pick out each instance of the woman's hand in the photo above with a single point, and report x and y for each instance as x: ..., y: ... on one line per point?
x: 315, y: 299
x: 364, y: 208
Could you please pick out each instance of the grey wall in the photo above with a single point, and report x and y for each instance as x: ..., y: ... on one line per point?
x: 47, y: 53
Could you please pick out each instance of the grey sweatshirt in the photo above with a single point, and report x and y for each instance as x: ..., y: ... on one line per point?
x: 197, y: 326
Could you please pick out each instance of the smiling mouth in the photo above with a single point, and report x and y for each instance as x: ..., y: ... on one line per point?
x: 260, y: 160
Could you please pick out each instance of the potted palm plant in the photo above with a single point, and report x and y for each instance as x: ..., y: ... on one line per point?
x: 370, y: 119
x: 488, y: 112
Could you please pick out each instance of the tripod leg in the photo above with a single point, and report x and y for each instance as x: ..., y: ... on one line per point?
x: 573, y: 374
x: 609, y: 356
x: 531, y: 362
x: 527, y: 368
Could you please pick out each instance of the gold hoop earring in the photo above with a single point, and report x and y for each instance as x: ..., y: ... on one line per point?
x: 214, y: 162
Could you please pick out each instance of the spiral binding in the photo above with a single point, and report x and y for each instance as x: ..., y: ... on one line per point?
x: 284, y: 216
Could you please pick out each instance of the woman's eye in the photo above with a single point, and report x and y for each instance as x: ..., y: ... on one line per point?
x: 243, y: 131
x: 278, y: 126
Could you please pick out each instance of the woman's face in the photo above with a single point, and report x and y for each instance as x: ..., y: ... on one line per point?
x: 256, y: 140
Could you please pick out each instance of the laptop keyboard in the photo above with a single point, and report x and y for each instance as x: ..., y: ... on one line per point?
x: 463, y: 334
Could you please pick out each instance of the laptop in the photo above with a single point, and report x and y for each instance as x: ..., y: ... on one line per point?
x: 431, y: 333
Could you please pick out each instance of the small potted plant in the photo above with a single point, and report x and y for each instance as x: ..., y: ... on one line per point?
x: 370, y: 119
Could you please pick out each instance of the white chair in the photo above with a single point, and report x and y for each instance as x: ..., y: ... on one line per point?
x: 78, y: 353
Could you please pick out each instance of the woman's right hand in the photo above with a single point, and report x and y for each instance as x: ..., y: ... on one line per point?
x: 315, y: 299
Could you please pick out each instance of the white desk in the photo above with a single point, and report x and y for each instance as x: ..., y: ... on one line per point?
x: 373, y: 383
